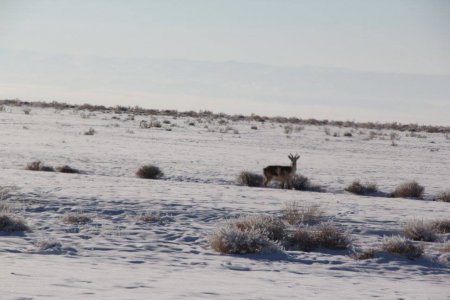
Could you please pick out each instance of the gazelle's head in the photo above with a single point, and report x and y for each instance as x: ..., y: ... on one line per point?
x: 294, y: 158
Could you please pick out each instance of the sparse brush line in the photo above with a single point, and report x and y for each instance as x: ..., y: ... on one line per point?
x: 136, y: 110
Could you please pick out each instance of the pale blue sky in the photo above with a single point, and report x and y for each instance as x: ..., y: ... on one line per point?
x: 403, y: 37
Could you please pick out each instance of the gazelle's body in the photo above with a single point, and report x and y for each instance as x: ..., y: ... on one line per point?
x: 283, y: 174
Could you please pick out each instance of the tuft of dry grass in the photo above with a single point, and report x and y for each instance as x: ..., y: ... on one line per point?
x: 444, y: 196
x: 361, y: 189
x: 409, y: 189
x: 399, y: 245
x: 302, y: 183
x: 271, y: 226
x: 293, y: 213
x: 77, y: 218
x: 311, y: 238
x: 418, y: 230
x: 231, y: 240
x: 365, y: 254
x: 39, y: 166
x: 150, y: 217
x: 303, y: 239
x: 250, y: 179
x: 331, y: 237
x: 10, y: 223
x: 441, y: 226
x: 149, y: 172
x: 49, y: 245
x: 67, y: 169
x: 91, y: 131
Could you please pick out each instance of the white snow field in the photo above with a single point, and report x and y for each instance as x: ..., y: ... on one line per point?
x: 119, y: 256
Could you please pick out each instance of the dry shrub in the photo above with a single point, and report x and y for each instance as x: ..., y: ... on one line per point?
x: 49, y: 246
x: 332, y: 238
x: 441, y: 226
x: 361, y: 189
x: 150, y: 218
x: 248, y: 234
x: 399, y: 245
x: 418, y: 230
x: 409, y: 189
x: 365, y: 254
x: 91, y: 131
x: 38, y: 166
x: 288, y: 129
x: 250, y: 179
x: 149, y: 172
x: 311, y: 238
x: 302, y: 183
x: 67, y: 169
x: 77, y: 218
x: 232, y: 240
x: 303, y: 239
x: 293, y: 213
x: 271, y: 226
x: 444, y: 196
x: 10, y: 223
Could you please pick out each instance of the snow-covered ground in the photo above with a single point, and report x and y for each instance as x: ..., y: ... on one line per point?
x: 117, y: 256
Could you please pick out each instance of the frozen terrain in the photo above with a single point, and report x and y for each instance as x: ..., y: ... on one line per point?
x: 118, y: 256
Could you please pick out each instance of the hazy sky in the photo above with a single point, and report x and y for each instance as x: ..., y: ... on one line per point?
x: 407, y: 37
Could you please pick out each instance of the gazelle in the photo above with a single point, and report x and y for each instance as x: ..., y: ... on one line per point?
x: 283, y: 174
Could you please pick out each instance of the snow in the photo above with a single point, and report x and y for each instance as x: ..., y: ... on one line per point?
x: 119, y: 256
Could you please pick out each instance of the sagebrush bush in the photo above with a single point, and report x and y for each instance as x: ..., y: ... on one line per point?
x: 409, y: 189
x: 77, y: 218
x: 331, y: 237
x: 418, y: 230
x: 149, y: 172
x: 67, y: 169
x: 293, y: 213
x: 302, y: 239
x: 399, y: 245
x: 232, y: 240
x: 273, y: 227
x: 10, y: 223
x: 441, y: 226
x: 444, y: 196
x: 248, y: 234
x: 302, y: 183
x: 311, y: 238
x: 39, y: 166
x: 250, y: 179
x: 358, y: 188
